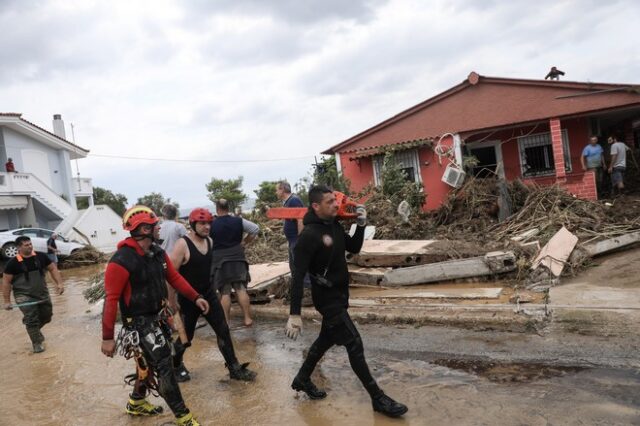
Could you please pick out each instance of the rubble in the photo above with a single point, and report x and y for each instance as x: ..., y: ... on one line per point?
x: 82, y: 257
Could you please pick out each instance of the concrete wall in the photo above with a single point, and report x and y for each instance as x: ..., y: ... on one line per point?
x: 101, y: 226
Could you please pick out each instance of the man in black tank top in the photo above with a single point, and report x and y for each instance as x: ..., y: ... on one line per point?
x: 192, y: 254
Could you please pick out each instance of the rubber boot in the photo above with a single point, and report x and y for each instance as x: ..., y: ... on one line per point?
x: 182, y: 374
x: 37, y: 348
x: 306, y: 385
x: 239, y: 371
x: 187, y: 420
x: 387, y: 406
x: 141, y: 407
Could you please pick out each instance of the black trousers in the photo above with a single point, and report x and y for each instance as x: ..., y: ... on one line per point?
x: 215, y: 318
x: 155, y: 344
x: 340, y: 330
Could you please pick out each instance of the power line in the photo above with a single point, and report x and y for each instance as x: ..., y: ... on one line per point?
x: 178, y: 160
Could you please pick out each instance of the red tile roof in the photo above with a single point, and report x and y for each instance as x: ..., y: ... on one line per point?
x: 18, y: 115
x: 481, y: 102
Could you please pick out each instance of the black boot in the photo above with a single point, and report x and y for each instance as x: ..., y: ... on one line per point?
x: 387, y: 406
x: 307, y: 386
x: 241, y: 372
x: 182, y: 374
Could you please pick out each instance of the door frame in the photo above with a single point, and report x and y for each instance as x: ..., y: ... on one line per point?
x: 497, y: 146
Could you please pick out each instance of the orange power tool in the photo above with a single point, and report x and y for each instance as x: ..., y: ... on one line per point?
x: 346, y: 209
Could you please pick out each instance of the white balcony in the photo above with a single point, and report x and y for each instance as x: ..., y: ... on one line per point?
x: 29, y: 184
x: 82, y: 187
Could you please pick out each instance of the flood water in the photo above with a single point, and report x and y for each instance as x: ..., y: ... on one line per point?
x: 72, y: 383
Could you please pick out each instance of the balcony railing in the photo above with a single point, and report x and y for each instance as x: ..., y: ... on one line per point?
x: 82, y: 187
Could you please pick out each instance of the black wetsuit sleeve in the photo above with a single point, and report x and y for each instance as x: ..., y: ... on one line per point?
x: 302, y: 254
x: 354, y: 244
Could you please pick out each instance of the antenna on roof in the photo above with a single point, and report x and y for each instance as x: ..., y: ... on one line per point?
x: 73, y: 136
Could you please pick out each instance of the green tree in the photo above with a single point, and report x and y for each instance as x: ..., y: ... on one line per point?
x: 117, y: 202
x: 266, y: 194
x: 326, y: 173
x: 155, y: 201
x: 229, y: 189
x: 396, y: 187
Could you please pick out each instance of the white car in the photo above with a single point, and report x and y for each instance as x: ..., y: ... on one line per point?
x: 39, y: 239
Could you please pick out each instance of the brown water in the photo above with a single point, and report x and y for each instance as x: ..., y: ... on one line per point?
x: 72, y: 383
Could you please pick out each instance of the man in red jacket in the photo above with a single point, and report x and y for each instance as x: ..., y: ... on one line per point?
x: 135, y: 280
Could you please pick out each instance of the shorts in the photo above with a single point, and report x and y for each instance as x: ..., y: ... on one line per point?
x: 225, y: 289
x: 53, y: 257
x: 617, y: 175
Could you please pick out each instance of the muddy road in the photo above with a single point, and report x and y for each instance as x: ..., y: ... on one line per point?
x: 446, y: 376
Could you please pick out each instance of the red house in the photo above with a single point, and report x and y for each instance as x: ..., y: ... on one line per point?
x: 534, y: 130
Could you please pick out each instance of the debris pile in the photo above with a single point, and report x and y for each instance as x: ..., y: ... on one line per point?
x: 95, y: 292
x: 82, y: 257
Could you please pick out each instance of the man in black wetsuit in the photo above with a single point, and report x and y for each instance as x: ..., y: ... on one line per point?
x: 320, y: 252
x: 192, y: 256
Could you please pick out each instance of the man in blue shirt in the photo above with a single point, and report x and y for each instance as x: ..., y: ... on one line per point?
x: 292, y: 227
x: 592, y: 159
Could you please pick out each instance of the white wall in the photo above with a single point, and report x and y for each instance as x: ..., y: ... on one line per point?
x: 59, y: 164
x: 102, y: 226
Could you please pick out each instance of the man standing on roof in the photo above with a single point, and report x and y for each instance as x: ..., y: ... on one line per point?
x: 229, y: 268
x: 24, y: 275
x: 135, y: 279
x: 170, y: 230
x: 192, y: 255
x: 320, y: 252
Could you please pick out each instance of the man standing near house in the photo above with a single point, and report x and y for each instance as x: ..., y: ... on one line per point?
x: 320, y: 252
x: 192, y: 255
x: 25, y: 276
x: 135, y: 282
x: 592, y: 158
x: 170, y: 230
x: 617, y: 165
x: 292, y: 227
x: 9, y: 167
x: 229, y: 267
x: 52, y: 249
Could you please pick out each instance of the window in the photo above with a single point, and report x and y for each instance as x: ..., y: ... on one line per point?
x: 408, y: 161
x: 536, y: 154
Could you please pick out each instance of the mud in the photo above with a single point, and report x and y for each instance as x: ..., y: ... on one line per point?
x: 72, y: 383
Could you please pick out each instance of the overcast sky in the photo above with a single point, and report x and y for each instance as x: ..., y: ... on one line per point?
x: 247, y: 80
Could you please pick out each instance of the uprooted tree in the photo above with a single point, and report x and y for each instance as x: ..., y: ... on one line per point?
x: 396, y: 185
x: 229, y: 189
x: 155, y: 201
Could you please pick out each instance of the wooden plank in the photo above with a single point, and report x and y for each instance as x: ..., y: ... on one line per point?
x: 362, y: 275
x: 492, y: 263
x: 556, y: 252
x: 265, y: 274
x: 445, y: 293
x: 394, y: 253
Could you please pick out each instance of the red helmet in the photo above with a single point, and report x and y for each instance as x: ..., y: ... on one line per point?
x: 138, y: 215
x: 200, y: 215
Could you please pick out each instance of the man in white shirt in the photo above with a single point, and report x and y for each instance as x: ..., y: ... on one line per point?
x: 170, y: 230
x: 618, y: 164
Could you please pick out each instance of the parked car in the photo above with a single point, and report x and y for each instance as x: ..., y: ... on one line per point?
x: 39, y: 239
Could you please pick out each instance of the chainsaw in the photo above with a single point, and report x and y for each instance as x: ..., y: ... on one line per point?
x: 346, y: 209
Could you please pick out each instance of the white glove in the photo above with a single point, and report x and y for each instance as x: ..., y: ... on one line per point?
x: 361, y: 219
x: 294, y: 327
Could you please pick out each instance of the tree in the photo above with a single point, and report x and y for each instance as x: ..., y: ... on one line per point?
x: 230, y: 190
x: 326, y: 173
x: 266, y: 193
x: 117, y: 202
x: 155, y: 201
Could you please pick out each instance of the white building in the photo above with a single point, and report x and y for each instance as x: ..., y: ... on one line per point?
x: 43, y: 192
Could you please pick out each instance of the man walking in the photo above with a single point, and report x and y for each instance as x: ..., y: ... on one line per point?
x: 618, y: 165
x: 135, y: 280
x: 25, y: 276
x: 170, y: 230
x: 320, y: 251
x: 192, y: 255
x: 592, y: 158
x: 229, y: 268
x: 52, y: 248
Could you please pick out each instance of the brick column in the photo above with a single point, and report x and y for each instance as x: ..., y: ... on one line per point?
x: 558, y: 150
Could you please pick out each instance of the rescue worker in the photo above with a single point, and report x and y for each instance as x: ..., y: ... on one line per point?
x: 135, y: 280
x: 25, y: 276
x: 192, y: 255
x: 320, y: 252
